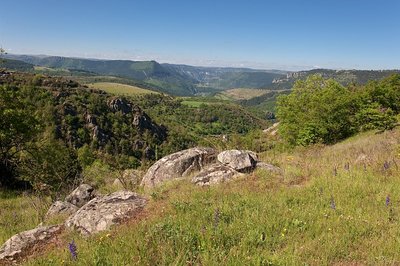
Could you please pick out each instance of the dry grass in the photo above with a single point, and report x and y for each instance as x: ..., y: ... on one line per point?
x: 119, y: 89
x: 243, y: 94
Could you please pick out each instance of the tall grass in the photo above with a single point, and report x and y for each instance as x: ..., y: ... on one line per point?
x: 328, y: 207
x: 20, y: 212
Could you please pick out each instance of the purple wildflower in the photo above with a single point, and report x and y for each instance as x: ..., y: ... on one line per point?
x: 386, y: 165
x: 73, y: 250
x: 333, y: 205
x: 387, y: 202
x: 216, y: 218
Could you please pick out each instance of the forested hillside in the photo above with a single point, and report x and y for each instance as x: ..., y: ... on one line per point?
x: 66, y: 126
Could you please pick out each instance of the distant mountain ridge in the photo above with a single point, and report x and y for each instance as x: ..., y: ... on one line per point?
x: 186, y: 80
x: 344, y: 77
x: 180, y: 80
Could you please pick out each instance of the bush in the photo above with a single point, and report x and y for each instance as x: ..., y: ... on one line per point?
x: 323, y: 111
x: 317, y: 110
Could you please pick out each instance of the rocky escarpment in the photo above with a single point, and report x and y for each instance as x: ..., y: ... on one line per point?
x: 83, y: 116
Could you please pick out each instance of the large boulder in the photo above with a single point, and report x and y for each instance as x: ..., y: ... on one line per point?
x: 215, y: 174
x: 240, y: 160
x: 81, y: 195
x: 22, y: 243
x: 101, y: 213
x: 179, y: 164
x: 60, y: 208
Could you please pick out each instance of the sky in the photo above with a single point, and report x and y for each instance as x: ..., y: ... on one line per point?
x: 288, y: 35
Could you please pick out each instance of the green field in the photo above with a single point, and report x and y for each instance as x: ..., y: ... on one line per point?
x: 119, y: 89
x: 241, y: 93
x: 195, y: 103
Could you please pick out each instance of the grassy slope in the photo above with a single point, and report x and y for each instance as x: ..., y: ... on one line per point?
x: 19, y: 213
x: 241, y: 93
x: 119, y: 89
x: 266, y: 219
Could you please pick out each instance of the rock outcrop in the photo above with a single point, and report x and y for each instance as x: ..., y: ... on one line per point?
x: 208, y: 167
x: 268, y: 167
x: 179, y: 164
x: 22, y: 243
x: 240, y: 160
x: 215, y: 174
x: 272, y: 130
x: 81, y: 195
x: 76, y: 199
x: 60, y: 208
x: 102, y: 212
x: 119, y: 104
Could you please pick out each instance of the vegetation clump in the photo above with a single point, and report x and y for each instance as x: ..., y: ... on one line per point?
x: 323, y: 111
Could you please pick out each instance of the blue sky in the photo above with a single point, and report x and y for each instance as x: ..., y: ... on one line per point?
x: 290, y: 35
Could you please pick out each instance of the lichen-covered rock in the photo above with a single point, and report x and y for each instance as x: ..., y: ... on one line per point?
x: 81, y: 195
x: 60, y: 208
x: 179, y: 164
x: 101, y: 213
x: 24, y: 242
x: 268, y: 167
x: 215, y: 174
x: 240, y: 160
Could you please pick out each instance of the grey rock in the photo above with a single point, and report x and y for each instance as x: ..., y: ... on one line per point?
x: 179, y: 164
x: 81, y: 195
x: 60, y: 208
x: 101, y: 213
x: 215, y: 174
x: 24, y: 242
x: 240, y: 160
x: 268, y: 167
x: 118, y: 104
x: 272, y: 130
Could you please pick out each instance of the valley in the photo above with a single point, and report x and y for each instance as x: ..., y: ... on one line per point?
x: 199, y: 174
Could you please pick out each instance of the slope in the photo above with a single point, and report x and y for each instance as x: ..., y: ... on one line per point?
x: 323, y: 209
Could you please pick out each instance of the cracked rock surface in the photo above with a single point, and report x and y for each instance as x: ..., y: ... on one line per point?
x: 102, y: 212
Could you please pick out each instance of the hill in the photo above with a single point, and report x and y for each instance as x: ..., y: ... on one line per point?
x: 126, y: 132
x: 172, y: 79
x: 149, y: 71
x: 222, y: 78
x: 345, y: 77
x: 15, y: 65
x: 346, y: 202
